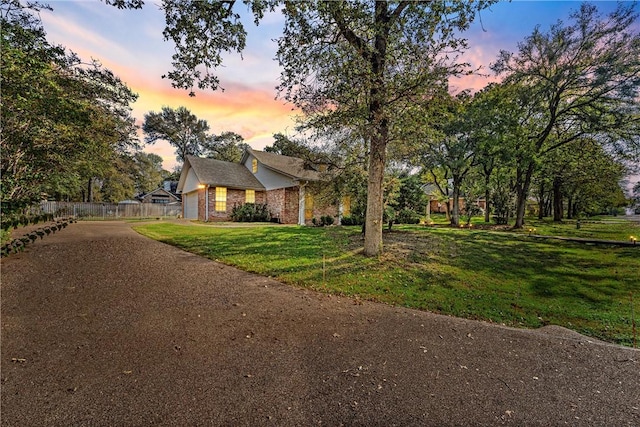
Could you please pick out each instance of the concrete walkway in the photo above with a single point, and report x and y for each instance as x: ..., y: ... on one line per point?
x: 104, y: 327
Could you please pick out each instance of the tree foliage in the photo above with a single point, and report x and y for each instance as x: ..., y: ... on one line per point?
x: 286, y: 146
x: 228, y: 146
x: 147, y: 172
x: 579, y: 79
x: 179, y: 127
x: 63, y: 121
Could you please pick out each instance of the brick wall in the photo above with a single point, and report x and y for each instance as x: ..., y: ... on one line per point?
x: 323, y: 208
x: 201, y: 203
x: 275, y: 202
x: 283, y: 203
x: 234, y: 197
x: 292, y: 205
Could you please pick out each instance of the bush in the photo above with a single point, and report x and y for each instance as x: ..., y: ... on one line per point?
x: 351, y: 220
x: 408, y: 216
x: 250, y: 212
x: 324, y: 221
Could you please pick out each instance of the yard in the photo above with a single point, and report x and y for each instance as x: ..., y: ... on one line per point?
x: 501, y: 277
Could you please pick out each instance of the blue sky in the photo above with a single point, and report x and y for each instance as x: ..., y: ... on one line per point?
x: 130, y: 43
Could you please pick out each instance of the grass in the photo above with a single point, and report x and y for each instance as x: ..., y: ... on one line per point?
x: 603, y: 229
x: 498, y: 277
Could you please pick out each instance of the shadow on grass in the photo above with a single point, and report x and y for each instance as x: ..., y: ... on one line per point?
x: 503, y: 277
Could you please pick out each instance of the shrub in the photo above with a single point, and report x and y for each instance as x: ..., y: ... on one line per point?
x: 324, y: 221
x: 351, y: 220
x: 250, y: 212
x: 408, y: 216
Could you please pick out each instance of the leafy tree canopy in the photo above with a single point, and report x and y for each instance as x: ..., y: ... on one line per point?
x: 63, y: 121
x: 179, y: 127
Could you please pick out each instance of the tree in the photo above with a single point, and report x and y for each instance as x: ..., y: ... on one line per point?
x: 228, y: 146
x: 62, y: 120
x: 494, y: 120
x: 453, y: 147
x: 147, y: 171
x: 578, y: 80
x: 584, y: 179
x: 118, y: 183
x: 345, y: 63
x: 357, y: 65
x: 286, y: 146
x: 178, y: 127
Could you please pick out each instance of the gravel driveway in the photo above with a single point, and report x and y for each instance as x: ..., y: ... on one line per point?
x: 104, y: 327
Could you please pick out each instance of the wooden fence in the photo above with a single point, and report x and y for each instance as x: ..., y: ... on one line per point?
x: 111, y: 210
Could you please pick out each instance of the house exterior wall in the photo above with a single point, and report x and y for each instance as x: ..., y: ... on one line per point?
x: 283, y: 204
x: 234, y: 197
x: 201, y: 205
x: 321, y: 208
x: 270, y: 179
x: 191, y: 182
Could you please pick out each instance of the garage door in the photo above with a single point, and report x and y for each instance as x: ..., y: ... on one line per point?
x: 191, y: 205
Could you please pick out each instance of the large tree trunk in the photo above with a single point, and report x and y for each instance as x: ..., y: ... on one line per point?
x: 541, y: 201
x: 373, y: 219
x: 90, y: 191
x: 487, y: 193
x: 455, y: 211
x: 522, y: 190
x: 557, y: 200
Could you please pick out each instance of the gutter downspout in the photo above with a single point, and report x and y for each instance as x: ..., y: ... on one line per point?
x: 206, y: 203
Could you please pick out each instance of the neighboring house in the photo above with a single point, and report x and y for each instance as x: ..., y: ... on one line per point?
x: 438, y: 202
x: 211, y: 188
x: 159, y: 196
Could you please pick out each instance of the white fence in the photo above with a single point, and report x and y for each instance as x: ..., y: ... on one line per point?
x: 111, y: 210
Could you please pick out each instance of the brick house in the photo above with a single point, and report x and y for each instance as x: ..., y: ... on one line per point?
x: 211, y: 188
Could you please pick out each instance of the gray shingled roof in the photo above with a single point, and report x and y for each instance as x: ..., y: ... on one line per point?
x: 223, y: 174
x: 291, y: 166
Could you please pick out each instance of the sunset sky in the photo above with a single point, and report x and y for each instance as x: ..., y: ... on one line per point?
x: 130, y: 43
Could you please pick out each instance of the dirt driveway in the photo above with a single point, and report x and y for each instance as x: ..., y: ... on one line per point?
x: 104, y: 327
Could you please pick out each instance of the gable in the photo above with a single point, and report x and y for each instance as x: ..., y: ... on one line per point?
x: 291, y: 167
x: 268, y: 177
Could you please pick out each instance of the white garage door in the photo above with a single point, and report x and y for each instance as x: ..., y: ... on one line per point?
x: 191, y: 205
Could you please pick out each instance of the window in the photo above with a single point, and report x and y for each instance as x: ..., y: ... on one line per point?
x: 308, y: 206
x: 221, y: 199
x: 250, y: 196
x: 254, y: 165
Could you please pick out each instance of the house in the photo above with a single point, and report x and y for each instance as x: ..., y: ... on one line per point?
x: 159, y: 196
x: 287, y: 185
x: 438, y: 202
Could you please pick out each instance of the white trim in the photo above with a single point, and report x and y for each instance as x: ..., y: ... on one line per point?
x: 301, y: 204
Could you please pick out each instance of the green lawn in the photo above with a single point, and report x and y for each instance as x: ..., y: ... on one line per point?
x: 499, y: 277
